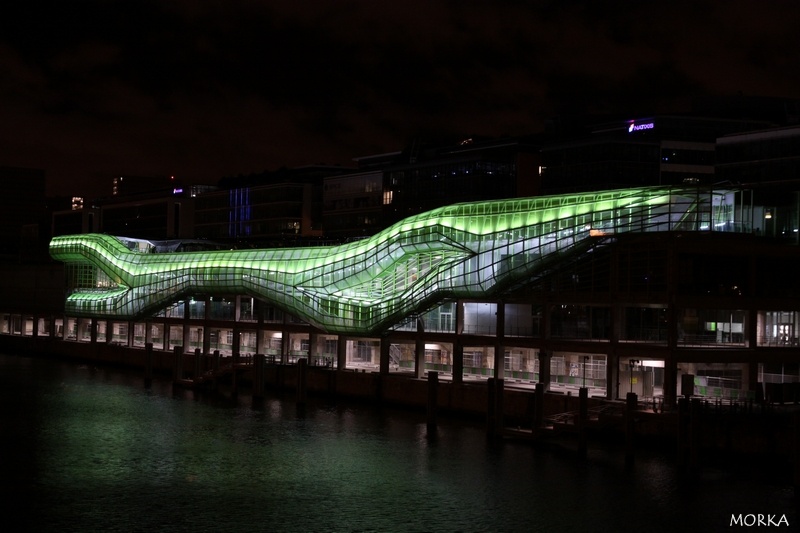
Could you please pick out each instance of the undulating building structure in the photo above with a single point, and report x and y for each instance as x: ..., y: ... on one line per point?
x: 625, y: 290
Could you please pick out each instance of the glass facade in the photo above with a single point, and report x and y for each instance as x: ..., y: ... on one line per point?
x: 468, y: 251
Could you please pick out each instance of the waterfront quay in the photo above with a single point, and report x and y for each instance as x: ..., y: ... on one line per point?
x: 693, y: 433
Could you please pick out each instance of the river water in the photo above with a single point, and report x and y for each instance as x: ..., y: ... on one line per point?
x: 92, y: 449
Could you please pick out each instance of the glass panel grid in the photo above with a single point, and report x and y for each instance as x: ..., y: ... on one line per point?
x: 469, y: 250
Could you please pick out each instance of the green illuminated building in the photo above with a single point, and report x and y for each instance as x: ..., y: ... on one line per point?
x: 617, y: 291
x: 463, y: 251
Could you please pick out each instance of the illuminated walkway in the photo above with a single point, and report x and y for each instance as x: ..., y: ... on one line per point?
x: 472, y: 250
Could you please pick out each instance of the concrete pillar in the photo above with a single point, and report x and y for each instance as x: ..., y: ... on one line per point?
x: 206, y: 339
x: 313, y: 349
x: 93, y: 330
x: 751, y: 329
x: 384, y: 357
x: 187, y: 331
x: 670, y: 380
x: 419, y: 352
x: 544, y: 368
x: 286, y: 344
x: 458, y: 361
x: 341, y: 353
x: 459, y: 317
x: 499, y: 346
x: 612, y: 376
x: 538, y: 406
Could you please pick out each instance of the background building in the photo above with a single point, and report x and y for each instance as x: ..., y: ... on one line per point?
x: 658, y: 150
x: 23, y: 226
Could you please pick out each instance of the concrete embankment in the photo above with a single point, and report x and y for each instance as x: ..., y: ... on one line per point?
x: 695, y: 431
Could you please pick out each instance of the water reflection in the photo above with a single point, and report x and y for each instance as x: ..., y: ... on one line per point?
x: 89, y: 448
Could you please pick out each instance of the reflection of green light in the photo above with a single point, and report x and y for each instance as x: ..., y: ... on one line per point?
x: 373, y: 276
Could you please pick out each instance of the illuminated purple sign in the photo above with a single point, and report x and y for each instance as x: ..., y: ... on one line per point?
x: 177, y: 191
x: 639, y: 127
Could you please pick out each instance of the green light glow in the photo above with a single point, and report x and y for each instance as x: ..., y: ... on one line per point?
x: 459, y: 251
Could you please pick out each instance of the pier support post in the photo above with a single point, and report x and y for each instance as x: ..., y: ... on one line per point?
x: 419, y: 351
x: 384, y: 356
x: 545, y: 357
x: 458, y: 362
x: 499, y: 345
x: 433, y: 394
x: 341, y: 353
x: 302, y: 374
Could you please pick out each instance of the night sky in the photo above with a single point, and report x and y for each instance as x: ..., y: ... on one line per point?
x: 198, y: 89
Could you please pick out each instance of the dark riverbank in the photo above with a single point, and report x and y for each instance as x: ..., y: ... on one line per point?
x: 723, y: 436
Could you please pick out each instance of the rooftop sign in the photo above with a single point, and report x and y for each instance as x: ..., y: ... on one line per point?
x: 639, y: 127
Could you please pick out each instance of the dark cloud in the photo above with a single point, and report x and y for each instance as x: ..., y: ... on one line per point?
x: 93, y: 88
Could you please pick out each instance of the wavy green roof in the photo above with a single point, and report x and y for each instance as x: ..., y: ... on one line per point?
x: 468, y: 250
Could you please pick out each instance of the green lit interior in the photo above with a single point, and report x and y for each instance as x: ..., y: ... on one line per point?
x: 470, y: 250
